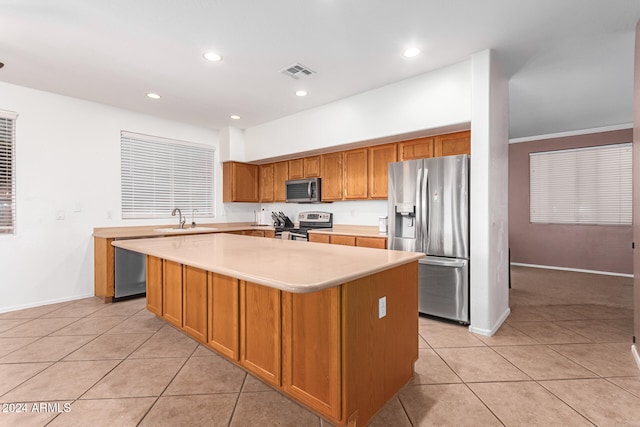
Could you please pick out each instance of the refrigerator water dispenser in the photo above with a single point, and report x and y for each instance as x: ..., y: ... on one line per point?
x: 405, y: 221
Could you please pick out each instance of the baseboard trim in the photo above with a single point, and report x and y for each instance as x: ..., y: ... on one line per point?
x: 41, y: 303
x: 636, y: 354
x: 494, y: 329
x: 578, y: 270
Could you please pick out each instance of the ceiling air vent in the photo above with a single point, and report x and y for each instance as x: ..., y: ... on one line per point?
x: 297, y: 71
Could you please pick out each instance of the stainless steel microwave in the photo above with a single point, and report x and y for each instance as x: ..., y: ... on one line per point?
x: 303, y: 190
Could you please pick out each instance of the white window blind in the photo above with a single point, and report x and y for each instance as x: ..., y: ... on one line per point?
x: 582, y: 186
x: 160, y: 174
x: 7, y: 172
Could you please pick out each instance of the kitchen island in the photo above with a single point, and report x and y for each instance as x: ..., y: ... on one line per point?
x: 333, y: 327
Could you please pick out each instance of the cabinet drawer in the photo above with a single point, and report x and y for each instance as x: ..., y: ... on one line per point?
x: 343, y: 240
x: 372, y: 242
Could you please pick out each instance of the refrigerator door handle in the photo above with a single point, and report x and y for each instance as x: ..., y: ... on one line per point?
x: 443, y: 262
x: 424, y: 218
x: 418, y: 213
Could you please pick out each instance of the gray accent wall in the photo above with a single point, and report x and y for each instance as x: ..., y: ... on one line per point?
x: 587, y: 247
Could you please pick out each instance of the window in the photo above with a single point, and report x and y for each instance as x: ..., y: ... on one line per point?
x: 160, y: 174
x: 7, y: 172
x: 582, y: 186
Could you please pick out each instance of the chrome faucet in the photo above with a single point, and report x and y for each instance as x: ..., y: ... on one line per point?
x: 181, y: 219
x: 193, y: 218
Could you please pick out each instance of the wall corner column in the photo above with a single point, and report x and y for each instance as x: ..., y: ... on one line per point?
x: 489, y: 195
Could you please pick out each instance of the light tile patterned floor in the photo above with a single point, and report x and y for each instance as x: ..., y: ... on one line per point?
x: 562, y: 358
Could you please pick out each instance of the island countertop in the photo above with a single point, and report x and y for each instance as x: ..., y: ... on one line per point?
x: 289, y: 265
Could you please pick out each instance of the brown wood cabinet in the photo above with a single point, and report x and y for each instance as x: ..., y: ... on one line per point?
x: 194, y: 320
x: 312, y: 167
x: 154, y: 285
x: 172, y: 293
x: 379, y: 158
x: 311, y: 349
x: 280, y: 176
x: 343, y: 240
x: 355, y: 174
x: 419, y: 148
x: 319, y: 238
x: 296, y: 169
x: 452, y: 144
x: 267, y: 183
x: 260, y: 331
x: 103, y: 269
x: 372, y: 242
x: 239, y: 182
x: 224, y: 315
x: 340, y: 239
x: 331, y: 170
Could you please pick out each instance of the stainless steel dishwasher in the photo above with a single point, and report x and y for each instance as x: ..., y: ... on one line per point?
x: 130, y: 274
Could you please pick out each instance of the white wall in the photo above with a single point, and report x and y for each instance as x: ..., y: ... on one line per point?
x: 429, y: 101
x: 489, y: 195
x: 68, y: 159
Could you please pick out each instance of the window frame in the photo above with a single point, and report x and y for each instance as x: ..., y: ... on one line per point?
x: 8, y: 141
x: 582, y: 186
x: 159, y: 174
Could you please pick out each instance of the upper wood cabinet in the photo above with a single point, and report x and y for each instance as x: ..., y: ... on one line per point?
x: 331, y: 174
x: 239, y: 182
x: 452, y: 144
x: 296, y: 169
x: 312, y: 167
x: 267, y: 183
x: 379, y: 158
x: 412, y: 149
x: 280, y: 176
x: 355, y: 174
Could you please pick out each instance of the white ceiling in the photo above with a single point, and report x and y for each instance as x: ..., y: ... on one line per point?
x: 570, y: 62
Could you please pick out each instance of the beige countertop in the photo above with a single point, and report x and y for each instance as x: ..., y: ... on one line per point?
x: 352, y: 230
x: 289, y: 265
x: 131, y: 232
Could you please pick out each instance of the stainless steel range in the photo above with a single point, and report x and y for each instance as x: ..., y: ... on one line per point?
x: 307, y: 221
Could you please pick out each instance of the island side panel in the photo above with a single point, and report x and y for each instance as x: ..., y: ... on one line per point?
x: 172, y: 293
x: 378, y: 353
x: 194, y: 308
x: 154, y: 285
x: 260, y: 331
x: 311, y: 349
x: 224, y: 314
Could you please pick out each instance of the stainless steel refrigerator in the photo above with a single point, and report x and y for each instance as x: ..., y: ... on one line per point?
x: 429, y: 212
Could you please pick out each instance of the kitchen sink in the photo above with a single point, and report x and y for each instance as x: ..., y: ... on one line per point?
x: 184, y: 230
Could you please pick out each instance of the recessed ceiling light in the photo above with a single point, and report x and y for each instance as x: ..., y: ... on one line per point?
x: 235, y: 117
x: 301, y: 93
x: 153, y: 96
x: 212, y: 56
x: 411, y: 52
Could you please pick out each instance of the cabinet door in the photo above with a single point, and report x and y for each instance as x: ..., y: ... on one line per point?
x: 154, y: 285
x: 266, y: 183
x: 343, y: 240
x: 280, y: 176
x: 270, y: 234
x: 195, y: 303
x: 172, y: 293
x: 224, y: 314
x: 372, y: 242
x: 311, y: 349
x: 331, y: 173
x: 355, y: 174
x: 419, y: 148
x: 319, y: 238
x: 296, y: 169
x: 379, y: 158
x: 452, y: 144
x: 239, y: 182
x: 260, y: 331
x: 312, y: 167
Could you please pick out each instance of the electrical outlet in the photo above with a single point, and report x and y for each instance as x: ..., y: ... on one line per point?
x: 382, y: 307
x: 60, y: 215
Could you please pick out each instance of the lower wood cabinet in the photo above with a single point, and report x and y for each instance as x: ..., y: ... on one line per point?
x: 260, y: 331
x: 224, y: 315
x: 343, y: 240
x: 154, y: 285
x: 172, y: 293
x: 338, y: 239
x: 194, y: 303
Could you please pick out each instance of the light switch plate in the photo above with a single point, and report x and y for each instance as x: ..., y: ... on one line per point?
x: 382, y: 307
